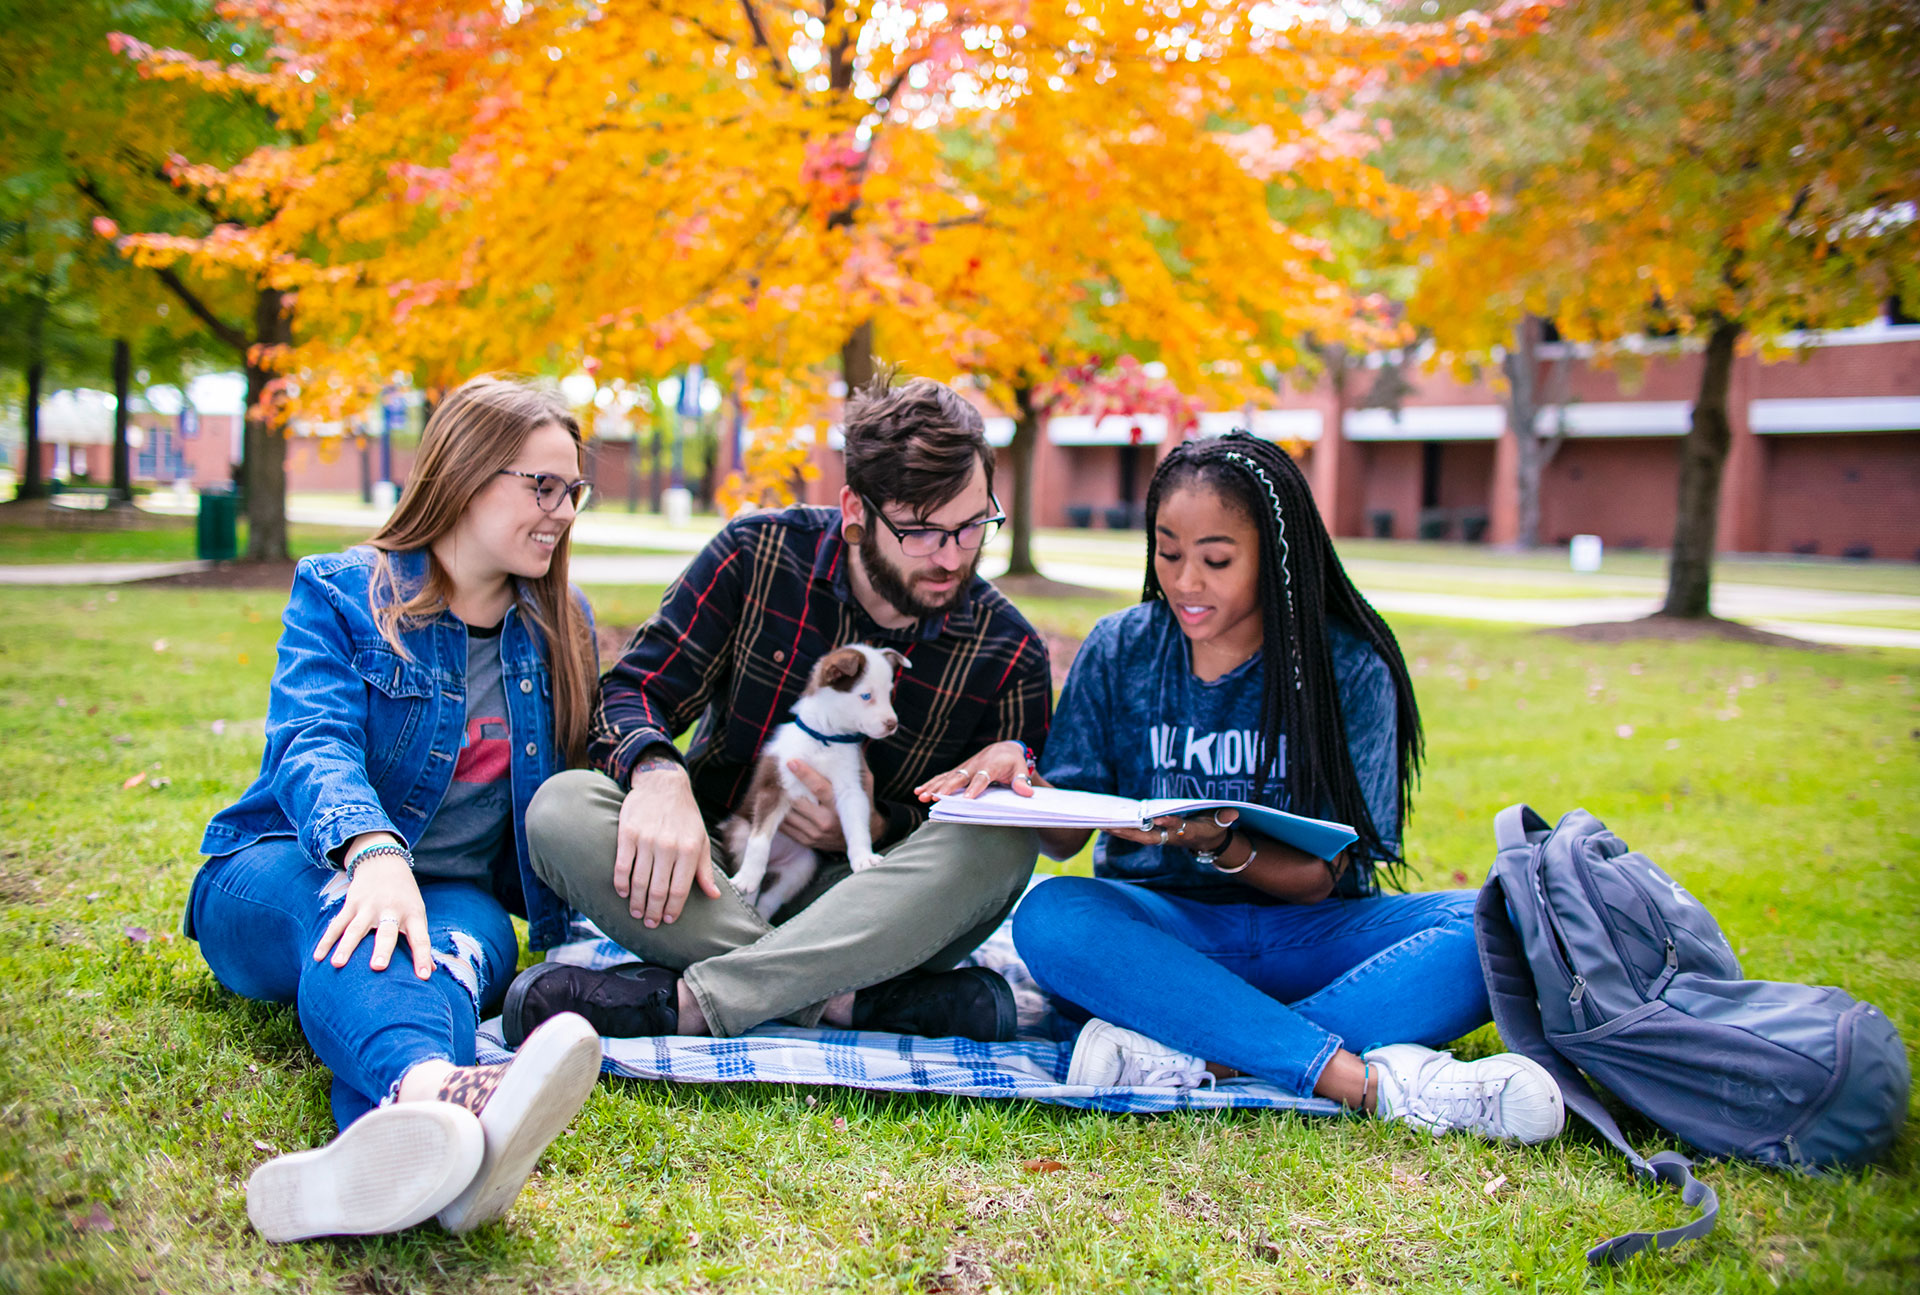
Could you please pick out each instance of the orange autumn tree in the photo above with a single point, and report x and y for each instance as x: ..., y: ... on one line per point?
x: 481, y: 184
x: 1724, y: 172
x: 1182, y: 209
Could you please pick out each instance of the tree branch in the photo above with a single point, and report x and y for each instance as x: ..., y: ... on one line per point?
x: 220, y: 328
x: 778, y: 64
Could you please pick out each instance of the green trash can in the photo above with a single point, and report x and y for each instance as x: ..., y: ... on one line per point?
x: 218, y: 535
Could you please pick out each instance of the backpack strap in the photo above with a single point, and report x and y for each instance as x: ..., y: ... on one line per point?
x: 1516, y: 1013
x: 1514, y: 827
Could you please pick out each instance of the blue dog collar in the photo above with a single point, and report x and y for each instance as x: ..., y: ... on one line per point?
x: 839, y: 739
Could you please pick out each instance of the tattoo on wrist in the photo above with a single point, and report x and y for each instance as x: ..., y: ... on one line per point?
x: 654, y: 763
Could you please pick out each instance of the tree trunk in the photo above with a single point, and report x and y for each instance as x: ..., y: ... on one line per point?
x: 33, y: 473
x: 1523, y: 411
x: 263, y: 469
x: 856, y: 358
x: 1026, y: 435
x: 122, y: 492
x: 1703, y: 458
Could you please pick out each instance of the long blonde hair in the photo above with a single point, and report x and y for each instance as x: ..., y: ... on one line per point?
x: 477, y: 430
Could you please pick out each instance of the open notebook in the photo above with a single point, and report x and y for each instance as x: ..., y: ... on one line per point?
x: 1053, y: 807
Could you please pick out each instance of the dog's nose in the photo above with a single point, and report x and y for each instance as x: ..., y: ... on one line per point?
x: 891, y: 725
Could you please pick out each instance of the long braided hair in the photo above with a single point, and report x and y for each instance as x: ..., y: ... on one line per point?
x: 1302, y: 584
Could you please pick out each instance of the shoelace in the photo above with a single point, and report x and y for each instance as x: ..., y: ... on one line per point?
x: 1474, y: 1108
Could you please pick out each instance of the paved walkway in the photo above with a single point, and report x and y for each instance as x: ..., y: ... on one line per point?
x: 1111, y: 562
x: 94, y: 573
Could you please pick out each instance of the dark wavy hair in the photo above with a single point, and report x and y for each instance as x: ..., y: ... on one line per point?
x: 1302, y: 584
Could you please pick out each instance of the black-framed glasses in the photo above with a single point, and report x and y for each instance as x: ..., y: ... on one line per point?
x: 549, y: 487
x: 925, y: 541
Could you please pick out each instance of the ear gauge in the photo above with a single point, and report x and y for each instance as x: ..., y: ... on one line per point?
x: 854, y: 532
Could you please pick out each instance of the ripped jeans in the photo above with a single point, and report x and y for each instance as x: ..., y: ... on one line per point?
x: 259, y: 912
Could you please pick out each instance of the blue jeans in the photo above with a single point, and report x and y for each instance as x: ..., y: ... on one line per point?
x: 259, y: 912
x: 1273, y: 990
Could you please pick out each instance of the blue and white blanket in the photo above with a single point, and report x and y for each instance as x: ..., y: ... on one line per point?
x: 1033, y: 1066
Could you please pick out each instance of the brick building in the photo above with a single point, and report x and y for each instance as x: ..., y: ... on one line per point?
x: 1825, y: 456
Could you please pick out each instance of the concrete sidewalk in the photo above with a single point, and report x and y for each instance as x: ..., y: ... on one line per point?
x: 1102, y: 565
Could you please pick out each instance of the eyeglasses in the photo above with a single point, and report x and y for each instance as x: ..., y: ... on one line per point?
x: 549, y: 487
x: 925, y: 541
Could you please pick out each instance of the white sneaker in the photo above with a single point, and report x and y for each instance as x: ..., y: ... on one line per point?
x: 523, y: 1106
x: 393, y: 1167
x: 1507, y: 1096
x: 1106, y: 1056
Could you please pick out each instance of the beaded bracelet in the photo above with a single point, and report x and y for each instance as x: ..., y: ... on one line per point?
x: 384, y: 847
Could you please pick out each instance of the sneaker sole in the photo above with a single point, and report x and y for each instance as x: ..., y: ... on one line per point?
x: 512, y: 1013
x: 392, y: 1168
x: 548, y: 1081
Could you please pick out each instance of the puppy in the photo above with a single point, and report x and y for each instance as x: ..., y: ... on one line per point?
x: 848, y: 699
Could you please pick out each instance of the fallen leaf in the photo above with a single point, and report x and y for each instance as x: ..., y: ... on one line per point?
x: 97, y: 1220
x: 1494, y: 1185
x: 839, y: 1124
x: 812, y: 1101
x: 1042, y: 1166
x: 1625, y: 730
x: 159, y: 645
x: 122, y: 739
x: 1460, y: 877
x: 267, y: 1147
x: 134, y: 781
x: 244, y: 658
x: 138, y: 934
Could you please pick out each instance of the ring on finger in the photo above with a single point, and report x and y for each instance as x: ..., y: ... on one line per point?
x: 964, y: 773
x: 389, y: 920
x: 1163, y: 836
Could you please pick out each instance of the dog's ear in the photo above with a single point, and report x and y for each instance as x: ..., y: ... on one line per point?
x: 895, y: 660
x: 840, y: 668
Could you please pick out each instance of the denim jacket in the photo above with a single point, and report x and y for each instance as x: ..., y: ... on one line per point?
x: 362, y: 739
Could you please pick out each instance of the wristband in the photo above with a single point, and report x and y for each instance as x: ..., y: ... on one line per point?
x: 384, y: 847
x: 1033, y: 764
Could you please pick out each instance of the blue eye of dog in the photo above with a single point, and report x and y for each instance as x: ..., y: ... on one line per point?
x: 866, y: 696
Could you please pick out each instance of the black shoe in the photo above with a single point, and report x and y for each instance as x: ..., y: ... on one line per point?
x: 632, y: 1000
x: 971, y: 1003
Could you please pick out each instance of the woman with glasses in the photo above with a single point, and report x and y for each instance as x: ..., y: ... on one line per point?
x: 427, y: 683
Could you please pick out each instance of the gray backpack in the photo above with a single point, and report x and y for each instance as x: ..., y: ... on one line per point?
x: 1596, y: 961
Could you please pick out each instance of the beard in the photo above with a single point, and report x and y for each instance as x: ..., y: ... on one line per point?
x: 898, y: 590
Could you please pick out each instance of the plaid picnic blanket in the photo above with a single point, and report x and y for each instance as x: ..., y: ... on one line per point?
x: 1033, y: 1066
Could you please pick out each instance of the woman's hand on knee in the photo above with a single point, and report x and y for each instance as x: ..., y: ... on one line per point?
x: 382, y: 898
x: 1003, y: 762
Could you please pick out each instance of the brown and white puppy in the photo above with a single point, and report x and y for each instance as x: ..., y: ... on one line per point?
x: 848, y: 699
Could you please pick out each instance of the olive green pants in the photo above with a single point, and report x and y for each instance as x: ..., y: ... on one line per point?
x: 939, y: 892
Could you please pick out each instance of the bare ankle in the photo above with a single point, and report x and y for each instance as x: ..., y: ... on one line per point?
x: 692, y: 1020
x: 1348, y: 1080
x: 839, y: 1010
x: 423, y: 1082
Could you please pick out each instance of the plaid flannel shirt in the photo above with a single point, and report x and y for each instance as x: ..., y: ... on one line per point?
x: 739, y: 631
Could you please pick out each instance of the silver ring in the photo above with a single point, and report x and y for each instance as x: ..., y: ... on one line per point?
x: 1021, y: 777
x: 964, y: 773
x: 388, y: 921
x: 1163, y: 836
x: 1182, y: 829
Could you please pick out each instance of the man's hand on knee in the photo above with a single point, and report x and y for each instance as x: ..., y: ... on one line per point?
x: 662, y: 848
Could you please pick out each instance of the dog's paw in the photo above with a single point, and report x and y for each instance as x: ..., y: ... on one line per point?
x: 861, y: 862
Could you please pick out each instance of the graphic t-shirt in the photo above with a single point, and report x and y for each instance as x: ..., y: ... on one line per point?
x: 469, y: 831
x: 1134, y: 720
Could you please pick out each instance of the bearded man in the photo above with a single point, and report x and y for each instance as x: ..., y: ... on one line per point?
x: 630, y: 842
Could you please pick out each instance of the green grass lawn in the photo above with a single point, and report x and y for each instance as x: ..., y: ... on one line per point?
x: 136, y: 1096
x: 165, y: 540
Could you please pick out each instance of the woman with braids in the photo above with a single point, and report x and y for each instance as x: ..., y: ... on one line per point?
x: 427, y: 683
x: 1253, y: 670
